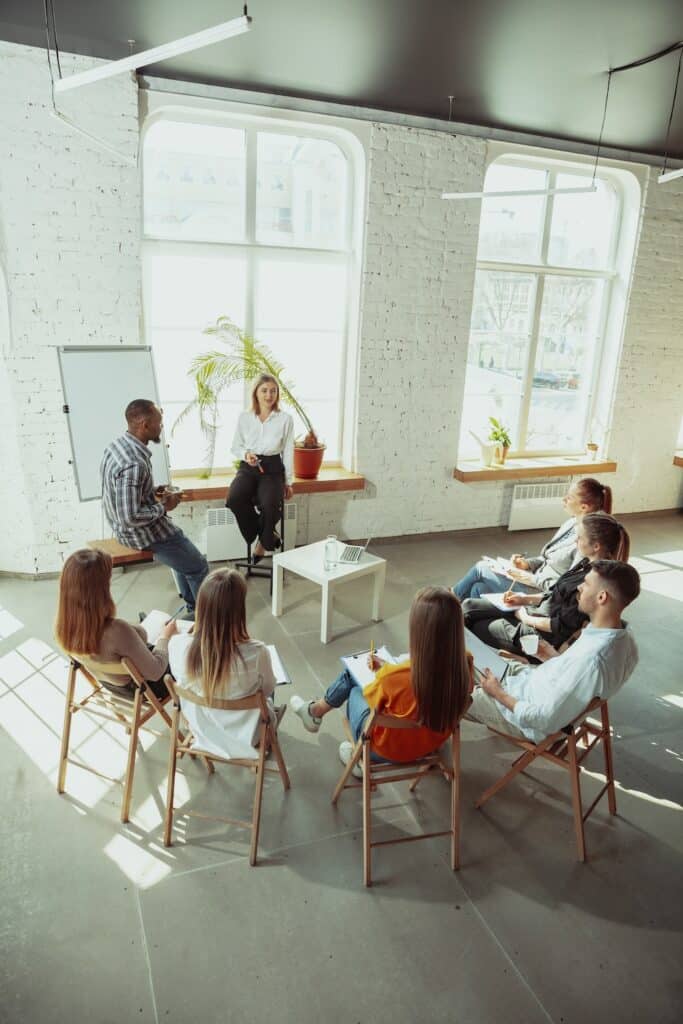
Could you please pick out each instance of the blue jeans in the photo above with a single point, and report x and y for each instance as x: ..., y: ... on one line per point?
x: 187, y: 564
x: 345, y: 688
x: 481, y: 579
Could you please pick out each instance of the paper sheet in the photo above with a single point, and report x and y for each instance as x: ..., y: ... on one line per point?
x: 357, y: 664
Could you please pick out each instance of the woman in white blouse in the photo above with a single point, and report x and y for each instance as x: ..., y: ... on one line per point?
x: 219, y: 660
x: 264, y: 443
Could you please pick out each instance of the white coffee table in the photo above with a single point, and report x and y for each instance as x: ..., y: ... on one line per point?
x: 308, y: 562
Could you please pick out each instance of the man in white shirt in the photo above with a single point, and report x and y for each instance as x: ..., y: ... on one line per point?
x: 535, y: 702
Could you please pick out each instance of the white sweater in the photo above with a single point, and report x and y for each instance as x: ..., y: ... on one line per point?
x: 226, y: 733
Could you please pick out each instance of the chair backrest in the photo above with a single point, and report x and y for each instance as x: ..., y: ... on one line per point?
x: 122, y: 667
x: 255, y: 702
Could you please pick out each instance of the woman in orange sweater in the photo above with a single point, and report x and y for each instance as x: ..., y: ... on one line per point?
x: 432, y: 687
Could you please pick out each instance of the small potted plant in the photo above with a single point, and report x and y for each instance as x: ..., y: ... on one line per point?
x: 244, y: 358
x: 500, y: 435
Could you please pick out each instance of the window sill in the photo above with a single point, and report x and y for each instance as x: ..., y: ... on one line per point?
x: 332, y: 478
x: 524, y: 469
x: 678, y: 458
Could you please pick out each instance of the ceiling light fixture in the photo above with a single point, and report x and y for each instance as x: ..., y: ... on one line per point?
x: 576, y: 190
x: 187, y: 44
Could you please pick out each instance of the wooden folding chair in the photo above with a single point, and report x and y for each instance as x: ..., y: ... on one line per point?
x: 378, y: 773
x: 567, y: 749
x: 132, y: 713
x: 268, y: 740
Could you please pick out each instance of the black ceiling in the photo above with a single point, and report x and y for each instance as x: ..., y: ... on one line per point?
x: 534, y: 66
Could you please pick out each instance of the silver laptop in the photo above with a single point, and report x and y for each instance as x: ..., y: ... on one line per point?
x: 352, y: 552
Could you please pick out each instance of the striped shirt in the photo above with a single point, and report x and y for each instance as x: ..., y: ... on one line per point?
x: 130, y: 505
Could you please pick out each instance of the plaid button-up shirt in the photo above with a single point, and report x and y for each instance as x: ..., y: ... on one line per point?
x: 130, y: 505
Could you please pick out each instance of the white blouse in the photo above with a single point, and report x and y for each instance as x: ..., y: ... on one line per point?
x: 226, y: 733
x: 275, y: 436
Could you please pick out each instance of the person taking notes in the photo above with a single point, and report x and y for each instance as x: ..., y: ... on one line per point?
x: 587, y: 495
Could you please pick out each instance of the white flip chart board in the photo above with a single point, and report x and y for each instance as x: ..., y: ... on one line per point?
x: 98, y: 384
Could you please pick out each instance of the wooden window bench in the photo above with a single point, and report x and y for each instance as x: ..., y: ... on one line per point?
x: 528, y: 469
x: 196, y: 488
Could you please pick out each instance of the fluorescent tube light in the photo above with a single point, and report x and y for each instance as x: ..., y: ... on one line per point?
x: 138, y: 60
x: 521, y: 192
x: 670, y: 175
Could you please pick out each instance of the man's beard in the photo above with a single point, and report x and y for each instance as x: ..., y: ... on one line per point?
x: 156, y: 440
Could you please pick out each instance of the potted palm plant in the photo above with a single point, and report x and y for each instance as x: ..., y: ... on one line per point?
x: 244, y: 358
x: 500, y: 435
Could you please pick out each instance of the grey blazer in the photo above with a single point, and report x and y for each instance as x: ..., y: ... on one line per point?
x: 558, y: 555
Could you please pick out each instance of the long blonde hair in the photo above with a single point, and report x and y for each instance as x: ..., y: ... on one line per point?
x: 439, y: 665
x: 264, y: 378
x: 85, y: 602
x: 220, y: 625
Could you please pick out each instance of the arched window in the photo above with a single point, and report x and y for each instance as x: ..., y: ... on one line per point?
x: 250, y: 218
x: 546, y: 267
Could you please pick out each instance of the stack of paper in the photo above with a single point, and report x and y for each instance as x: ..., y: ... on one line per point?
x: 154, y: 622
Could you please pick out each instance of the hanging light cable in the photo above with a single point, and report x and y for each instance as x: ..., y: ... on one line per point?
x: 576, y: 190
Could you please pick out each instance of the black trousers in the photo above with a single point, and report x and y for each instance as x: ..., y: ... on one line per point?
x: 251, y: 488
x: 493, y: 627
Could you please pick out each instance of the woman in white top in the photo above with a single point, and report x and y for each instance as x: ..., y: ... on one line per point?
x: 264, y: 442
x: 219, y: 660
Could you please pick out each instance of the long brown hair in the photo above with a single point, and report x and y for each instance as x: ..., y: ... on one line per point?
x: 220, y: 625
x: 609, y: 534
x: 598, y: 496
x: 264, y: 378
x: 439, y: 667
x: 85, y: 602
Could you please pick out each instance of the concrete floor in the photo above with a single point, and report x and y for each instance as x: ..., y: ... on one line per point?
x: 100, y: 923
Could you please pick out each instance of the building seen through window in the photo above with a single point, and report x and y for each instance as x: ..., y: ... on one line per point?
x: 544, y: 270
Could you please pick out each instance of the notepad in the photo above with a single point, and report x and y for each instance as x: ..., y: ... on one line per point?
x: 154, y: 622
x: 357, y: 664
x: 498, y: 601
x: 485, y: 657
x: 279, y: 671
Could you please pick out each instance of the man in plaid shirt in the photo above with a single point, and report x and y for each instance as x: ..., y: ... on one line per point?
x: 137, y: 513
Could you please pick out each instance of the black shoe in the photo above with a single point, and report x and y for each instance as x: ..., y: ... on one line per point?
x: 255, y: 559
x: 187, y: 616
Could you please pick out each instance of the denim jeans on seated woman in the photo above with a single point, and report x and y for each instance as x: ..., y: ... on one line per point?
x: 345, y: 688
x: 481, y: 579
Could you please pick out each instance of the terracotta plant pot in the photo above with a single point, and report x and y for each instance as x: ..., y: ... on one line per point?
x: 307, y: 462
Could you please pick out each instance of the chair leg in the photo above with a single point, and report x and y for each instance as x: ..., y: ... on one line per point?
x: 574, y: 769
x: 66, y: 729
x: 519, y: 765
x: 609, y: 766
x: 258, y: 796
x: 367, y: 817
x: 170, y: 781
x: 132, y: 751
x: 343, y: 779
x: 275, y: 747
x: 455, y: 801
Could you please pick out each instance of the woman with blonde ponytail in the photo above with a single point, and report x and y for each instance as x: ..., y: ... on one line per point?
x: 554, y: 615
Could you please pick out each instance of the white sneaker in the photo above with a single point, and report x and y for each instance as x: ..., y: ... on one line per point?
x: 302, y: 708
x: 345, y: 755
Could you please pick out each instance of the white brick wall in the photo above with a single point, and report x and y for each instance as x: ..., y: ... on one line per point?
x: 69, y: 244
x: 649, y: 396
x: 69, y: 221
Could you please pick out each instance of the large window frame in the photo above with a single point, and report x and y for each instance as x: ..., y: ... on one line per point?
x: 349, y: 255
x: 542, y: 271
